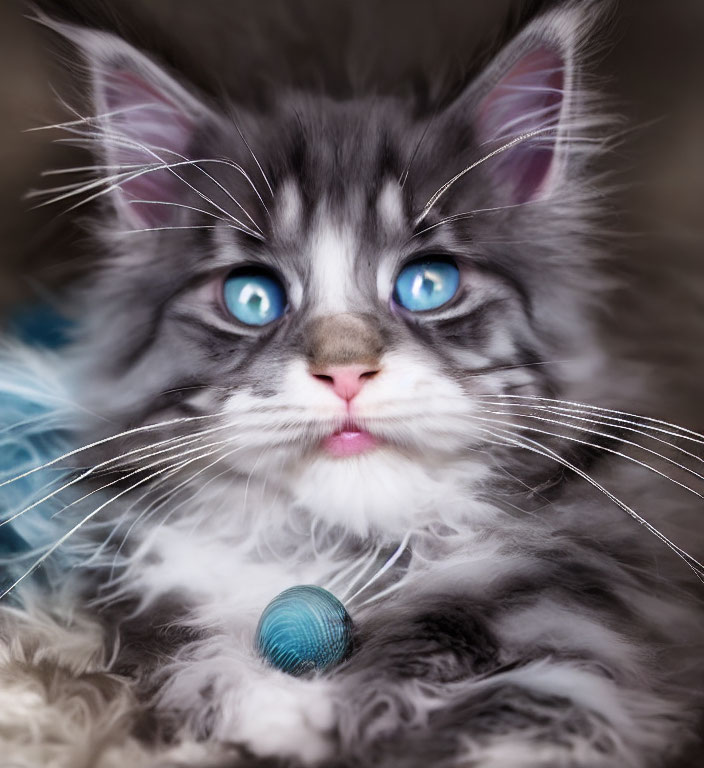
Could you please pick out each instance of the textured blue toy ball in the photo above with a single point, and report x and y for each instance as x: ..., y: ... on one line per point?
x: 304, y: 628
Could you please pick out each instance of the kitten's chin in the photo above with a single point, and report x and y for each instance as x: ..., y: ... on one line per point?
x: 381, y: 491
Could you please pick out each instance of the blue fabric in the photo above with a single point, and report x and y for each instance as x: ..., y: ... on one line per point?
x: 23, y: 447
x: 29, y: 438
x: 40, y: 325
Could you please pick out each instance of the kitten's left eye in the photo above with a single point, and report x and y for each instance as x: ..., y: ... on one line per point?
x: 254, y: 296
x: 426, y: 284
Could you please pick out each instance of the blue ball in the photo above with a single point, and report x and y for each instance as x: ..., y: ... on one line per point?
x: 303, y: 629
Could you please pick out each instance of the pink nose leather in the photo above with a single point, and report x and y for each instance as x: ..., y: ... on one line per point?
x: 346, y: 380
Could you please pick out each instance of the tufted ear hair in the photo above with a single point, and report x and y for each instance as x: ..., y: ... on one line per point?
x: 143, y: 119
x: 529, y: 97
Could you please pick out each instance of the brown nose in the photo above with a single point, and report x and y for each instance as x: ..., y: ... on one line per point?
x: 344, y: 351
x: 346, y: 380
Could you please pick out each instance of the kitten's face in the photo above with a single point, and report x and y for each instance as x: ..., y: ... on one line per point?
x: 294, y: 273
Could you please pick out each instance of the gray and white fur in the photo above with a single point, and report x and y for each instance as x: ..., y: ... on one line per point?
x: 508, y: 611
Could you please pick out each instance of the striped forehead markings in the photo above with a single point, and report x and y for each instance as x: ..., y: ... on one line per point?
x: 333, y: 248
x: 289, y: 209
x: 389, y: 207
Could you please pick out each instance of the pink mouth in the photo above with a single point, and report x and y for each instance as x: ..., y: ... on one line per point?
x: 349, y: 441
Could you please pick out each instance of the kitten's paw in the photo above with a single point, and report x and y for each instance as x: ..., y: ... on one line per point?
x: 278, y: 715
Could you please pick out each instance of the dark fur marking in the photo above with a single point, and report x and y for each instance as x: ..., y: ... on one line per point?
x: 145, y: 641
x: 447, y: 641
x: 511, y: 708
x: 469, y: 330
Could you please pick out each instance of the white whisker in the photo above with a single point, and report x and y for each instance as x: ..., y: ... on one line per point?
x: 169, y: 229
x: 155, y: 505
x: 254, y: 157
x: 85, y: 474
x: 125, y: 433
x: 196, y: 164
x: 225, y: 221
x: 151, y: 150
x: 380, y: 595
x: 353, y: 565
x: 601, y: 447
x: 85, y: 520
x: 683, y: 432
x: 503, y: 148
x: 471, y: 214
x: 127, y: 143
x: 403, y: 178
x: 387, y: 565
x: 83, y: 120
x: 136, y: 471
x: 512, y: 438
x: 90, y: 169
x: 115, y: 528
x: 367, y: 561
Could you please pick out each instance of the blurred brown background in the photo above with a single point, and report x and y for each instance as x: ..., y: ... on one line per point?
x: 651, y: 67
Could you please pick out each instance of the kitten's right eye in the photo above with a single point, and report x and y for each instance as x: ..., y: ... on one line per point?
x: 254, y: 296
x: 427, y: 284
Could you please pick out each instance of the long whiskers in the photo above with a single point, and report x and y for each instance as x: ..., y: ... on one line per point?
x: 116, y: 527
x: 89, y: 517
x: 140, y: 469
x: 117, y: 180
x: 511, y: 437
x: 367, y: 561
x: 680, y: 431
x: 177, y: 443
x: 603, y: 419
x: 600, y: 447
x: 254, y: 157
x: 503, y: 148
x: 151, y: 509
x: 179, y: 205
x: 403, y: 178
x: 471, y: 214
x: 387, y: 565
x: 103, y: 441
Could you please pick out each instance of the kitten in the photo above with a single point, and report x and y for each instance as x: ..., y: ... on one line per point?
x: 325, y: 346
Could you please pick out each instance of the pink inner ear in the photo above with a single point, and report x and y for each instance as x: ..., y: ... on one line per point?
x: 527, y: 98
x: 144, y: 125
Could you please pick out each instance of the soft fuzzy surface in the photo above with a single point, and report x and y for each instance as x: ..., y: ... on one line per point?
x: 35, y: 416
x: 511, y: 605
x: 63, y: 705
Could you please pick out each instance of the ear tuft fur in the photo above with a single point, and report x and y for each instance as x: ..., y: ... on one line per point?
x: 528, y: 98
x: 532, y: 94
x: 143, y: 119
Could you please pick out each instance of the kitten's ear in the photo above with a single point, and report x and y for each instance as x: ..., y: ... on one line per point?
x: 142, y: 117
x: 529, y: 95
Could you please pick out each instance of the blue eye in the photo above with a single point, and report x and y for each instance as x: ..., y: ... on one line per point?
x: 426, y: 284
x: 254, y: 297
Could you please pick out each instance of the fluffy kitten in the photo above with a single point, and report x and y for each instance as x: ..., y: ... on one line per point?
x: 330, y: 336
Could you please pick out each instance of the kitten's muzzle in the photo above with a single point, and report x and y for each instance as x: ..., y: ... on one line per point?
x: 344, y: 352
